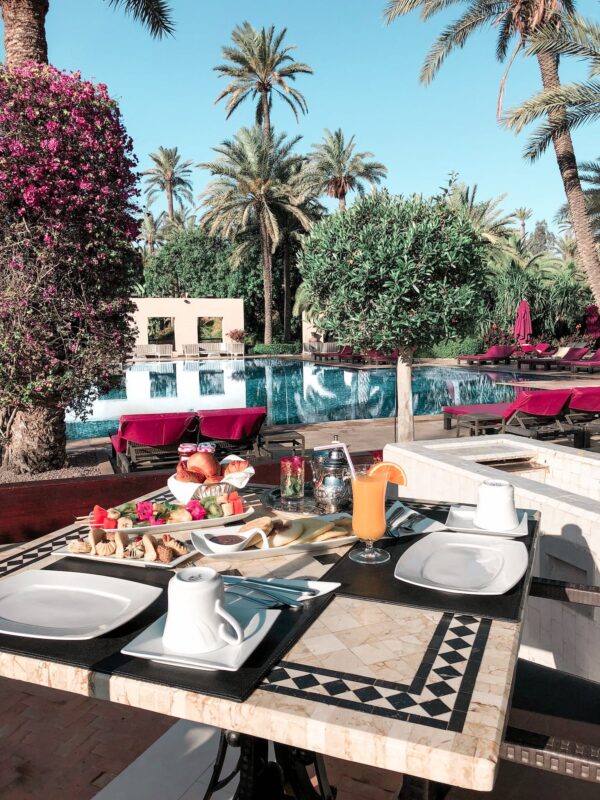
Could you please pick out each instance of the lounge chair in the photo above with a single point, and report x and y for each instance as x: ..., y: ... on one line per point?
x: 494, y: 355
x: 233, y: 430
x: 151, y: 440
x: 377, y: 357
x: 535, y: 414
x: 343, y: 352
x: 588, y: 364
x: 548, y: 362
x: 494, y: 411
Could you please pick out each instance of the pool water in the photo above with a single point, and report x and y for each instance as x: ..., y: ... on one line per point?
x: 295, y: 392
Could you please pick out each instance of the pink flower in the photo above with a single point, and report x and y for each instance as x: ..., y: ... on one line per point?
x: 144, y: 511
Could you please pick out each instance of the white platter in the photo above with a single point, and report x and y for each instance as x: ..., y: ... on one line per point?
x: 273, y: 552
x: 129, y: 562
x: 48, y: 604
x: 256, y: 623
x: 187, y: 526
x: 460, y: 518
x: 463, y: 563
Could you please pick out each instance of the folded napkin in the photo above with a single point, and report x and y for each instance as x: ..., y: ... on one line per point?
x: 405, y: 521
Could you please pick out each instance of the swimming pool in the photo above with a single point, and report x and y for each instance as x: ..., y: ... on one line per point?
x: 295, y: 392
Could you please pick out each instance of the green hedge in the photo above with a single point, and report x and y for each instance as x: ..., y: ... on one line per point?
x: 277, y: 349
x: 470, y: 345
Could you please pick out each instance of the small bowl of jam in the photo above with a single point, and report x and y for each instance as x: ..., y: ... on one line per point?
x: 229, y: 539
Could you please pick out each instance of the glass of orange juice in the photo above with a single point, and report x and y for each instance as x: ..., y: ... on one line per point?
x: 368, y: 515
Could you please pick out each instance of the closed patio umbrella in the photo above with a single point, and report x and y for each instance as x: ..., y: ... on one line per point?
x: 523, y: 328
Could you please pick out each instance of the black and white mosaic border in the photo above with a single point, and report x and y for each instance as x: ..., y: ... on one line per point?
x: 438, y: 696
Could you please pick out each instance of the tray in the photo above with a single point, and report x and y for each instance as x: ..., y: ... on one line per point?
x: 128, y: 562
x: 187, y: 526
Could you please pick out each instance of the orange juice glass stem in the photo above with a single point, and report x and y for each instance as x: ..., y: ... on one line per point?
x: 368, y: 514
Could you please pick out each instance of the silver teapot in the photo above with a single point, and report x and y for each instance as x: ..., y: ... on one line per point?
x: 331, y: 477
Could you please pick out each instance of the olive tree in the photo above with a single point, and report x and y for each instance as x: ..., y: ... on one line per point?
x: 395, y: 273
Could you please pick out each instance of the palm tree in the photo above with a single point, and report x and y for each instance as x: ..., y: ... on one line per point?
x: 259, y: 65
x: 183, y: 219
x: 522, y: 215
x: 171, y: 176
x: 337, y: 169
x: 520, y: 20
x: 489, y: 220
x: 254, y: 186
x: 151, y: 232
x: 25, y: 25
x: 589, y: 172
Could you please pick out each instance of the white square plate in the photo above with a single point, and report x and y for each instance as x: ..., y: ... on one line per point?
x: 460, y: 518
x: 256, y: 623
x: 463, y: 563
x: 129, y: 562
x: 48, y: 604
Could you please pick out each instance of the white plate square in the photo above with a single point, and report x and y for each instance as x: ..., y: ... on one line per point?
x: 49, y: 604
x: 129, y: 562
x: 256, y: 623
x: 460, y: 518
x: 463, y: 563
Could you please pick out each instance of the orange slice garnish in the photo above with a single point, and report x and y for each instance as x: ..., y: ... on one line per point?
x: 392, y: 473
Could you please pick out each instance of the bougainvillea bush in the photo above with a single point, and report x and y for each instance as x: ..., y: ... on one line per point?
x: 67, y: 204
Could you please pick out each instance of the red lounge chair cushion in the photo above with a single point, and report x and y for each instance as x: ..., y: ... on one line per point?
x: 497, y: 351
x: 542, y: 403
x: 231, y: 423
x: 587, y: 398
x: 493, y: 409
x: 153, y: 430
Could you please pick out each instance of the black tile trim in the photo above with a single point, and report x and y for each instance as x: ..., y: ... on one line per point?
x: 427, y: 694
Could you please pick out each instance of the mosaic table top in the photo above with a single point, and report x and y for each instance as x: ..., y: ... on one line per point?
x: 408, y: 690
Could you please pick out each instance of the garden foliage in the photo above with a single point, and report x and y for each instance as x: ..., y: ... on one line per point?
x: 67, y: 204
x: 394, y: 272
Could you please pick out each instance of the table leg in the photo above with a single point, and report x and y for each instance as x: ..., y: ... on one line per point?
x: 260, y: 778
x: 421, y: 789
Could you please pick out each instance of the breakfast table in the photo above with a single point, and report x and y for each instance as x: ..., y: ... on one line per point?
x: 370, y: 674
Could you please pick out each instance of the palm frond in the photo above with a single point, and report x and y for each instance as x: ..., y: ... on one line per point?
x: 156, y: 15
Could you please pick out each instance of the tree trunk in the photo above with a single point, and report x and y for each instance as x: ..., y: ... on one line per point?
x: 342, y: 199
x: 404, y: 415
x: 170, y: 205
x: 523, y: 230
x: 567, y: 165
x: 36, y: 442
x: 24, y: 31
x: 265, y: 244
x: 266, y: 114
x: 287, y: 290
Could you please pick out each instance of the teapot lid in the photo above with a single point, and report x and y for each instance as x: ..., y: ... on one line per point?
x: 334, y: 457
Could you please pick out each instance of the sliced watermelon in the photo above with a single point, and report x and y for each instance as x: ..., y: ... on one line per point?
x: 232, y: 496
x: 98, y: 515
x: 238, y: 506
x: 108, y: 523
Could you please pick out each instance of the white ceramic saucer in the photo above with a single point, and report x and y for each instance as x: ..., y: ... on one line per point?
x: 255, y: 623
x: 460, y: 518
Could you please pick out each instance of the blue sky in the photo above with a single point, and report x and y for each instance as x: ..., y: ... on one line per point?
x: 365, y: 81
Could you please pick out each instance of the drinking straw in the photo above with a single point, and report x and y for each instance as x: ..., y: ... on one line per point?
x: 341, y: 446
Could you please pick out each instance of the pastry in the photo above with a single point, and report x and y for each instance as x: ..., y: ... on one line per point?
x: 179, y: 548
x: 112, y: 513
x: 124, y: 522
x: 106, y: 548
x: 121, y: 542
x: 164, y: 553
x: 314, y: 528
x: 109, y: 536
x: 94, y: 537
x: 79, y: 546
x: 135, y: 549
x: 149, y: 544
x: 235, y: 466
x: 284, y: 536
x: 265, y: 523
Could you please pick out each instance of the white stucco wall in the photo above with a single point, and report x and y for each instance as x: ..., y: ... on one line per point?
x: 186, y: 311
